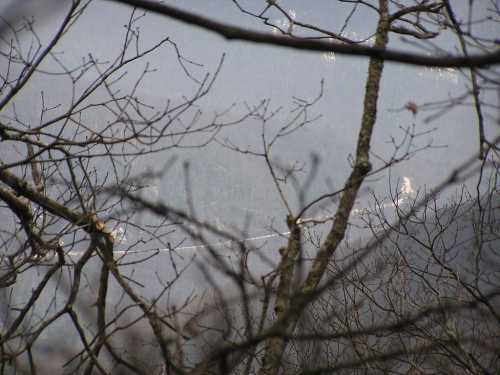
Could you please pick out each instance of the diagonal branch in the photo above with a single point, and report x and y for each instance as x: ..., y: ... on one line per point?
x: 238, y: 33
x: 362, y: 166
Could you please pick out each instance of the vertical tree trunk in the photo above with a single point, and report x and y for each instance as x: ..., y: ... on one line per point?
x: 275, y: 347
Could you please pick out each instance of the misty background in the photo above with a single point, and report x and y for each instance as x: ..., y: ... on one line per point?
x: 233, y: 190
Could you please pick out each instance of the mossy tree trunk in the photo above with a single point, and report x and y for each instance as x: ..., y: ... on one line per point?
x: 287, y: 314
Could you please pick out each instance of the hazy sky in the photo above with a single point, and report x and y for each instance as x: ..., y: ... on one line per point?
x: 229, y: 188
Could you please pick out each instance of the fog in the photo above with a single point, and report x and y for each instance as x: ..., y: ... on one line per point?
x: 234, y: 191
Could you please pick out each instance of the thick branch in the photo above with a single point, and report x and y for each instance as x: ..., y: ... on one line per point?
x: 362, y: 163
x: 239, y: 33
x: 362, y: 166
x: 276, y: 345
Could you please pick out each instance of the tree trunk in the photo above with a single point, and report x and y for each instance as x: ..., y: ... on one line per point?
x: 274, y: 347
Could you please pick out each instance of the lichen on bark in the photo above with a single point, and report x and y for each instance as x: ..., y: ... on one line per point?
x: 275, y: 346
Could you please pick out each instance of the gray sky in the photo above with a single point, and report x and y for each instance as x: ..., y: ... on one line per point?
x: 229, y: 187
x: 252, y: 73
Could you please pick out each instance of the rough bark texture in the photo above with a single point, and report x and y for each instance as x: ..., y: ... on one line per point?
x: 362, y: 163
x: 276, y: 346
